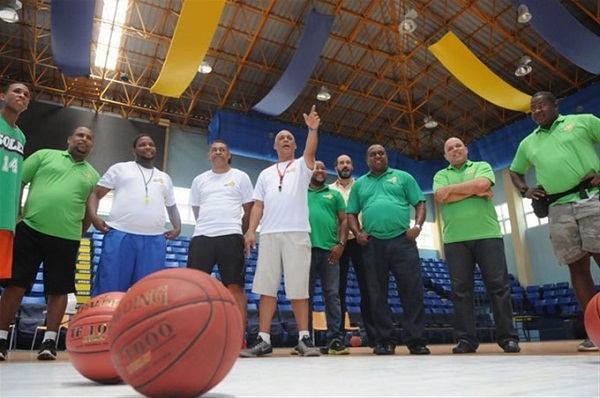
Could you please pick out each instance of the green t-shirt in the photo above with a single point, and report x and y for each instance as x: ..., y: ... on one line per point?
x: 385, y: 202
x: 471, y: 218
x: 562, y: 155
x: 58, y: 193
x: 12, y: 144
x: 323, y: 207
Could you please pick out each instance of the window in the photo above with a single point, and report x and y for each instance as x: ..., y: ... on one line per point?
x: 503, y: 218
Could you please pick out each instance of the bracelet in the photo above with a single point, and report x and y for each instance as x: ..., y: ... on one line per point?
x: 311, y: 129
x: 339, y: 242
x: 417, y: 226
x: 523, y: 191
x: 359, y: 234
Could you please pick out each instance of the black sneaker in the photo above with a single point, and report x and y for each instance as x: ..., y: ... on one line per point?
x: 337, y: 348
x: 3, y: 349
x: 258, y: 349
x: 306, y: 347
x: 47, y: 351
x: 511, y: 346
x: 384, y: 349
x: 463, y: 348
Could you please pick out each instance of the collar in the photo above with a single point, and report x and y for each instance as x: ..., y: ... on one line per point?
x: 559, y: 119
x: 468, y: 163
x: 324, y: 188
x: 339, y: 184
x: 387, y: 171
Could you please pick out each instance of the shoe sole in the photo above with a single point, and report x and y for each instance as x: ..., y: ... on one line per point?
x: 46, y: 356
x: 310, y: 353
x: 583, y: 349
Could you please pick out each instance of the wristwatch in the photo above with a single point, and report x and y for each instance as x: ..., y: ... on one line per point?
x: 418, y: 226
x: 523, y: 191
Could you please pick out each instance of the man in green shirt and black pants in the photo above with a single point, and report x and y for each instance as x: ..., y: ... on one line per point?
x: 472, y: 236
x: 53, y: 223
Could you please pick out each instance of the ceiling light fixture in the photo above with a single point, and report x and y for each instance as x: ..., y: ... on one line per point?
x: 408, y: 24
x: 9, y: 12
x: 523, y: 68
x: 205, y: 68
x: 324, y: 94
x: 429, y: 122
x: 523, y: 13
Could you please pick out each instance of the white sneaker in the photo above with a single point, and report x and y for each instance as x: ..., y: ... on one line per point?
x: 586, y: 346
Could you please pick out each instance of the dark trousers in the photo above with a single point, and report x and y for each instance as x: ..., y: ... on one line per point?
x: 400, y: 256
x: 352, y: 252
x: 461, y: 258
x: 329, y: 275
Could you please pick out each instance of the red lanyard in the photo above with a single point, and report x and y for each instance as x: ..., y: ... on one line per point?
x: 282, y: 174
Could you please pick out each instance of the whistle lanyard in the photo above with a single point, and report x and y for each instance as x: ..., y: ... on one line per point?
x: 282, y: 174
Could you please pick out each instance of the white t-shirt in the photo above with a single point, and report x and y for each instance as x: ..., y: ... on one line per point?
x: 220, y: 198
x: 132, y: 211
x: 285, y: 210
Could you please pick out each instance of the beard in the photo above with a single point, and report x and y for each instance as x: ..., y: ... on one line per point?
x: 344, y: 173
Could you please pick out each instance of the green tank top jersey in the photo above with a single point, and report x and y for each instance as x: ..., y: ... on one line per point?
x: 12, y: 144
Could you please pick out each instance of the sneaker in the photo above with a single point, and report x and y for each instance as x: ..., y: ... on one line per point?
x: 47, y: 351
x: 511, y: 346
x: 258, y: 349
x: 294, y: 350
x: 3, y: 349
x: 338, y: 348
x: 587, y: 345
x: 463, y: 348
x: 307, y: 348
x: 384, y: 349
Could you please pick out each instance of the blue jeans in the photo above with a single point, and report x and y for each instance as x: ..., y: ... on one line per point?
x: 400, y: 256
x: 330, y: 282
x: 461, y: 258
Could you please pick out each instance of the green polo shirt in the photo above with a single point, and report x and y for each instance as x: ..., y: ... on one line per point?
x: 471, y: 218
x: 323, y: 207
x: 385, y: 202
x: 58, y: 192
x: 561, y: 155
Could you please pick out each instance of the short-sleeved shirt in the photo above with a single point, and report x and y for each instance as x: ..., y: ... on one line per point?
x: 561, y: 155
x: 58, y: 193
x: 323, y: 207
x: 220, y: 197
x: 12, y: 144
x: 285, y: 210
x: 385, y: 202
x: 140, y: 197
x: 471, y: 218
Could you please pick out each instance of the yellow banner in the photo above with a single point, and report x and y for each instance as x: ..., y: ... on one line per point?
x: 473, y: 73
x: 194, y: 32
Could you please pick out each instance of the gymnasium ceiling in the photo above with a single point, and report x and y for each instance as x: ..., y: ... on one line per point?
x: 383, y: 84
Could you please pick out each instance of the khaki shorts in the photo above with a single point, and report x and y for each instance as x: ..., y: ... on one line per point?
x: 285, y: 253
x: 575, y: 229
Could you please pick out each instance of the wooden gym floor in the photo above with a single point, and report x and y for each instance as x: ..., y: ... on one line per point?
x: 542, y: 369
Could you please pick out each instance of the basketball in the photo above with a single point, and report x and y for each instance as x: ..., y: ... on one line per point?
x: 592, y: 319
x: 176, y: 332
x: 355, y: 341
x: 87, y: 338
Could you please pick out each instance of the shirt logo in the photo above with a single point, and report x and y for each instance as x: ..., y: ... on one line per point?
x: 469, y: 171
x: 328, y: 196
x: 159, y: 180
x: 393, y: 180
x: 291, y: 170
x: 230, y: 184
x: 567, y: 129
x: 11, y: 144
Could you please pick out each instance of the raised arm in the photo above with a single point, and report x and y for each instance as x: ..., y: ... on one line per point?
x: 310, y: 150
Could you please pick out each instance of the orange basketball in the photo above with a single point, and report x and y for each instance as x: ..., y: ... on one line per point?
x: 176, y: 333
x: 355, y: 341
x: 592, y: 319
x: 87, y: 338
